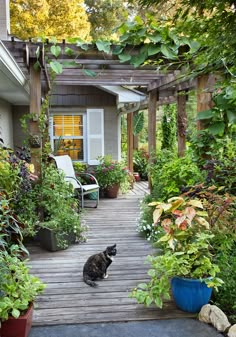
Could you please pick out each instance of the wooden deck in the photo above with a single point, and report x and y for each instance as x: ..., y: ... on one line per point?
x: 67, y: 299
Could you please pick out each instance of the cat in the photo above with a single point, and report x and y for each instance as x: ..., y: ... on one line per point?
x: 96, y: 265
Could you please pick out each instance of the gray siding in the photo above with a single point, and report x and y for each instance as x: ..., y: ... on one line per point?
x: 111, y: 120
x: 18, y: 135
x: 86, y: 97
x: 4, y: 19
x: 6, y: 124
x: 82, y: 96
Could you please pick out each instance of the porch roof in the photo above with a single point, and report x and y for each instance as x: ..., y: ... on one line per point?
x: 14, y: 86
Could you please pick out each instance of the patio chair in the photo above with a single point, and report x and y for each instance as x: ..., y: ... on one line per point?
x: 64, y: 163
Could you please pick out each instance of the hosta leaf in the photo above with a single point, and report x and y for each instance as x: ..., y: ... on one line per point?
x: 56, y: 67
x: 138, y: 123
x: 167, y: 52
x: 206, y: 114
x: 217, y: 128
x: 55, y: 50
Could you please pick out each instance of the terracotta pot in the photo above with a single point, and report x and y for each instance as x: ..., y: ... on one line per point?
x: 18, y: 327
x: 136, y: 176
x: 112, y: 191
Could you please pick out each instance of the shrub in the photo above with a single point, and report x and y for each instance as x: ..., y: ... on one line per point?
x: 140, y: 162
x: 172, y: 174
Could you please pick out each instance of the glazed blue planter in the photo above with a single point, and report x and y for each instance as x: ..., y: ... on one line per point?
x: 190, y: 294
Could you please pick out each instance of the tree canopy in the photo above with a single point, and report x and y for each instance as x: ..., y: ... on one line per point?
x: 61, y: 19
x: 104, y: 16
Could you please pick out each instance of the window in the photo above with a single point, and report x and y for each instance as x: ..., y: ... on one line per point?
x: 67, y: 135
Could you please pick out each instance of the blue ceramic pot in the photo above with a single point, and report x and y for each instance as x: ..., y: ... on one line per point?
x: 190, y: 294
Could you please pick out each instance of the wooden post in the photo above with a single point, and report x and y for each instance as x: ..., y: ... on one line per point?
x: 35, y: 139
x: 152, y: 107
x: 205, y: 84
x: 135, y: 137
x: 130, y: 141
x: 181, y: 122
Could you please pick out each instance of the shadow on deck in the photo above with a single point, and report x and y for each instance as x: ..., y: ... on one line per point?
x: 67, y: 299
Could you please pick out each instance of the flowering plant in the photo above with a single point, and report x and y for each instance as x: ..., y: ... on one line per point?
x: 109, y: 172
x: 186, y: 249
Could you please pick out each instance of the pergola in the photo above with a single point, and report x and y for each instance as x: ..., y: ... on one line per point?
x: 162, y: 87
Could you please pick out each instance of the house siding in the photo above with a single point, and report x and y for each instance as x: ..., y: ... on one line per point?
x: 86, y: 97
x: 111, y: 127
x: 6, y: 125
x: 4, y: 19
x: 82, y: 96
x: 18, y: 135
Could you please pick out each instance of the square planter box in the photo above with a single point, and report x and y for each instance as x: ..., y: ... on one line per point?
x: 48, y: 240
x: 18, y: 327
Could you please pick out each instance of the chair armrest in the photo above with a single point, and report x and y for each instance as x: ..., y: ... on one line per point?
x: 78, y: 182
x: 92, y: 178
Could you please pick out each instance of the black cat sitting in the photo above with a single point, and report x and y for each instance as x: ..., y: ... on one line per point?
x: 97, y: 264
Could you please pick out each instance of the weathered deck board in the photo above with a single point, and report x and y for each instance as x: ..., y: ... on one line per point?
x: 67, y: 299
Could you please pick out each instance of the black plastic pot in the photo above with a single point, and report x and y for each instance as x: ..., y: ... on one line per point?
x: 48, y: 240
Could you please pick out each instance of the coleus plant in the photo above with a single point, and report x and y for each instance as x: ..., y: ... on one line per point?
x: 186, y: 250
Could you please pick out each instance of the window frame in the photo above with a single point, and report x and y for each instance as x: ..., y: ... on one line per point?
x: 68, y: 112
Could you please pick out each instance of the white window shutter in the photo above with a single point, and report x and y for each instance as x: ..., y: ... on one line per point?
x: 95, y: 134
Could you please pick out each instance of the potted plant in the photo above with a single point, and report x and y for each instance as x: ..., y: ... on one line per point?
x: 110, y: 175
x: 186, y: 265
x: 18, y: 292
x: 60, y: 222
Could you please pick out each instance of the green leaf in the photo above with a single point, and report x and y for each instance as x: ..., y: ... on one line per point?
x: 138, y: 123
x: 168, y: 53
x: 37, y: 65
x: 217, y: 128
x: 124, y: 57
x: 89, y: 72
x: 55, y: 50
x: 231, y: 115
x: 153, y: 49
x: 158, y: 302
x: 155, y: 38
x: 69, y: 51
x: 206, y: 114
x: 82, y: 45
x: 142, y: 286
x: 148, y: 301
x: 117, y: 50
x: 56, y: 67
x: 137, y: 60
x: 15, y: 313
x: 104, y: 46
x: 69, y: 63
x: 37, y: 52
